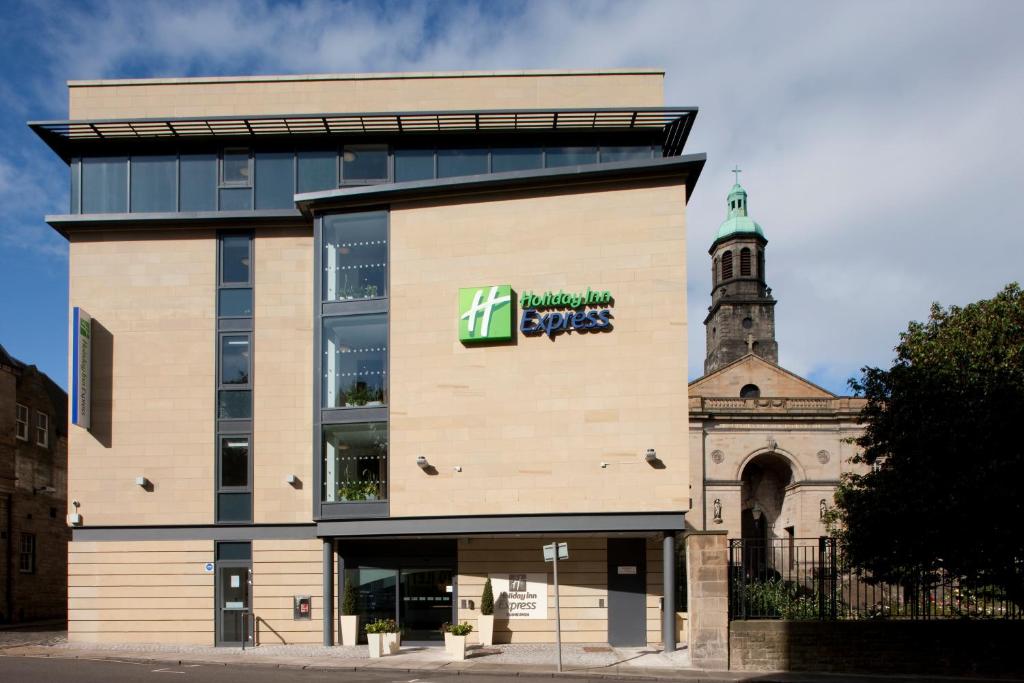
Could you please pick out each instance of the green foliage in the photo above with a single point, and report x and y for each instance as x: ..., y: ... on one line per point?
x: 348, y: 599
x: 487, y: 599
x: 941, y: 430
x: 777, y: 598
x: 359, y: 490
x: 462, y: 629
x: 359, y: 394
x: 382, y: 626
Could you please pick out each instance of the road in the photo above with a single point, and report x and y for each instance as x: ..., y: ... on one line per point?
x: 51, y: 669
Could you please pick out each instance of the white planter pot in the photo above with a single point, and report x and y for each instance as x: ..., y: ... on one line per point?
x: 458, y: 651
x: 448, y: 642
x: 375, y: 641
x: 392, y: 641
x: 485, y: 629
x: 349, y: 629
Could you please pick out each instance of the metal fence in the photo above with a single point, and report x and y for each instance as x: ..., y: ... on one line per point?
x: 806, y: 578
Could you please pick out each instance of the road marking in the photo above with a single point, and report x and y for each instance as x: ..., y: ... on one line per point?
x: 167, y: 671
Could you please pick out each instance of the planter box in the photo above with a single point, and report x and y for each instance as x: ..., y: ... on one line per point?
x: 448, y: 642
x: 392, y: 641
x: 485, y: 629
x: 458, y: 651
x: 375, y: 641
x: 349, y: 629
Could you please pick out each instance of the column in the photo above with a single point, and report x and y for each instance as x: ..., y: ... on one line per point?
x: 328, y: 571
x: 707, y: 572
x: 668, y: 572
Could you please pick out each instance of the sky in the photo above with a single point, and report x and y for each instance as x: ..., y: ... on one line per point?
x: 882, y: 143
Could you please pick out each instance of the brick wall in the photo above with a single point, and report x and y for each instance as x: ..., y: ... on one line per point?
x: 891, y: 647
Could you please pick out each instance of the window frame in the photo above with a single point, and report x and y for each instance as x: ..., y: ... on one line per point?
x: 248, y: 284
x: 222, y: 183
x: 386, y: 380
x: 43, y: 429
x: 389, y: 164
x: 19, y: 422
x: 223, y: 435
x: 27, y: 539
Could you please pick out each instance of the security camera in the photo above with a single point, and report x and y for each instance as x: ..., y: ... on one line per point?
x: 651, y: 456
x: 421, y: 461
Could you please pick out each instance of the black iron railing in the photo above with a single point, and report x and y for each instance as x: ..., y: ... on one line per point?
x: 801, y: 578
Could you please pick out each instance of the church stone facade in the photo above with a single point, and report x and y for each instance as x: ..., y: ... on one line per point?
x: 768, y: 447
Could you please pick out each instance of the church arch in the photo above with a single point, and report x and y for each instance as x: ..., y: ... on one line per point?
x: 750, y: 391
x: 799, y: 474
x: 765, y: 482
x: 727, y: 265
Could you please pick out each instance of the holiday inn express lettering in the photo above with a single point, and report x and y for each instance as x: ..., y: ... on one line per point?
x: 375, y: 329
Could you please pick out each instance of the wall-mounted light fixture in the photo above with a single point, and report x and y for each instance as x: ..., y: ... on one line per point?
x: 651, y: 455
x: 292, y: 480
x: 75, y: 519
x: 421, y: 462
x: 144, y: 483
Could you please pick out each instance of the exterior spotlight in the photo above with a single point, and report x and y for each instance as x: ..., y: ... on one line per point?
x: 651, y: 456
x: 75, y: 519
x: 421, y: 460
x: 291, y: 479
x: 143, y: 482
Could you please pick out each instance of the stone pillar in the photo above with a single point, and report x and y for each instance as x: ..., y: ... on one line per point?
x: 707, y: 574
x: 668, y: 573
x: 328, y: 569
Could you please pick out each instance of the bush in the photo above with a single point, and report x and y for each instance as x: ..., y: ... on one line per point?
x: 487, y: 599
x: 777, y: 598
x: 382, y: 626
x: 462, y: 629
x: 348, y: 599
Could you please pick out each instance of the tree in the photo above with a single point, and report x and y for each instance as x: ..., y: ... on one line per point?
x: 348, y: 599
x: 487, y: 599
x: 943, y: 434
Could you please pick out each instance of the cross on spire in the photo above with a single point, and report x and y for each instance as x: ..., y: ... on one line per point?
x: 736, y: 171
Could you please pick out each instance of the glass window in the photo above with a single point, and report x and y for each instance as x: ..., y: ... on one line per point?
x: 76, y: 179
x: 459, y: 162
x: 516, y: 159
x: 21, y: 418
x: 355, y: 462
x: 355, y: 352
x: 234, y: 507
x: 234, y: 259
x: 154, y: 184
x: 234, y: 405
x: 105, y: 185
x: 42, y: 429
x: 275, y: 180
x: 234, y: 461
x: 235, y: 303
x: 236, y: 199
x: 198, y: 182
x: 625, y: 153
x: 362, y: 163
x: 27, y: 556
x: 570, y: 156
x: 234, y: 359
x: 414, y: 164
x: 318, y: 170
x: 355, y: 254
x: 235, y: 168
x: 233, y: 550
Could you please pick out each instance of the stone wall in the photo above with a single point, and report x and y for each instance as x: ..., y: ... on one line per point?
x: 708, y: 599
x: 890, y: 647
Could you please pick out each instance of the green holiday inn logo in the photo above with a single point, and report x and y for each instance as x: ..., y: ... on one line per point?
x: 485, y: 313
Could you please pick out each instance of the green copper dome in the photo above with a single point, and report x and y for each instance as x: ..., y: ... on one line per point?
x: 737, y: 221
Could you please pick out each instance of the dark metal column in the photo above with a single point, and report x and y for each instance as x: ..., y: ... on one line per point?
x: 668, y: 613
x: 328, y: 571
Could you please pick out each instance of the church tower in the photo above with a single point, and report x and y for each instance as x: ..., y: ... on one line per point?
x: 741, y: 318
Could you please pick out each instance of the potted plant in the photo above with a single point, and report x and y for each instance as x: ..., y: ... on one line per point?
x: 459, y: 633
x: 486, y: 621
x: 359, y: 490
x: 446, y: 629
x: 349, y: 619
x: 382, y: 637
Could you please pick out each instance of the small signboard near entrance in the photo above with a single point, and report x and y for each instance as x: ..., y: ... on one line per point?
x: 520, y: 595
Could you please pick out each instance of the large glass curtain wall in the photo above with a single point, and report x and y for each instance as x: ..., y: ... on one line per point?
x: 245, y: 179
x: 353, y: 357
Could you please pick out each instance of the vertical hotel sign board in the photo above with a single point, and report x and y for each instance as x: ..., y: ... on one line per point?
x: 82, y: 359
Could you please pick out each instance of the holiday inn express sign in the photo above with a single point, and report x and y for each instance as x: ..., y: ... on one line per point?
x: 485, y: 313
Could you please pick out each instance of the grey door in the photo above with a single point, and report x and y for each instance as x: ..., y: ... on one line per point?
x: 627, y: 591
x: 233, y: 627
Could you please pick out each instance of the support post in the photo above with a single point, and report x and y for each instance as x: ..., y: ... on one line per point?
x: 328, y: 572
x: 668, y: 572
x: 558, y: 613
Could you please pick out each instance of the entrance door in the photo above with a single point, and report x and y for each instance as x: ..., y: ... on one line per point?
x: 233, y: 627
x: 426, y: 603
x: 627, y: 591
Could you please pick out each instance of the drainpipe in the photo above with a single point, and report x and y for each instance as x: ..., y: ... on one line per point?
x: 9, y: 583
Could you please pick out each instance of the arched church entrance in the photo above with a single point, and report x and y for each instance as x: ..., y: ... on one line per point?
x: 763, y: 492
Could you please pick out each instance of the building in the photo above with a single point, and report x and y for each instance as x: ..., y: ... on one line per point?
x: 768, y: 446
x: 395, y: 330
x: 33, y: 494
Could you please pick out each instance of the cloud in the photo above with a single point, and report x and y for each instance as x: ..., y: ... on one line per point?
x: 881, y: 141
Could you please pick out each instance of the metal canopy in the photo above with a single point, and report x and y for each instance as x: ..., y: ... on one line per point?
x: 674, y: 122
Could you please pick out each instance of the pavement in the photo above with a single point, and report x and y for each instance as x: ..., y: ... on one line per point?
x: 590, y: 662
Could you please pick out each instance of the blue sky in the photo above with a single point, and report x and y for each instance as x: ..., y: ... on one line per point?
x: 881, y: 141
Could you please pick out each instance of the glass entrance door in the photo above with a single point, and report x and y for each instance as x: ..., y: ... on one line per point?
x: 233, y: 609
x: 426, y: 603
x: 376, y: 595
